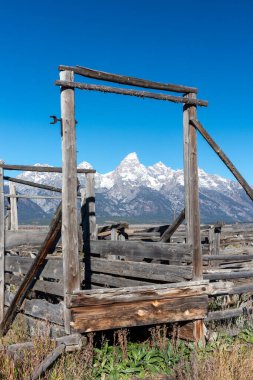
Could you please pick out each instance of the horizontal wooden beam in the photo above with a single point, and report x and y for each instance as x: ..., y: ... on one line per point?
x: 140, y: 249
x: 24, y: 237
x: 223, y: 157
x: 138, y: 313
x: 137, y: 293
x: 122, y: 79
x: 131, y: 92
x: 22, y: 196
x: 227, y: 314
x: 32, y: 184
x: 46, y: 169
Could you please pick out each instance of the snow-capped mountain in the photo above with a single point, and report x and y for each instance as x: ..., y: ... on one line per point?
x: 151, y: 194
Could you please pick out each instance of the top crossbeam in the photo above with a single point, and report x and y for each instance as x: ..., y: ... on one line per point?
x: 131, y: 81
x: 45, y: 169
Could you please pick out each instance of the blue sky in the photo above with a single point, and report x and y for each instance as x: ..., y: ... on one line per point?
x: 207, y: 44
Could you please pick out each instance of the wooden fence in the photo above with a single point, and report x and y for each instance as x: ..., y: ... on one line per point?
x: 88, y: 279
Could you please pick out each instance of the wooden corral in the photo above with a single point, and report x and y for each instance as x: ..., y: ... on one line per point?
x: 83, y: 278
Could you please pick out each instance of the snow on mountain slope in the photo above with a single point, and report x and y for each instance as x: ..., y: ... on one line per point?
x: 151, y: 194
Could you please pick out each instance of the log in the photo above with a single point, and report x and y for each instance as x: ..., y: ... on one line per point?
x: 148, y: 271
x: 139, y: 249
x: 48, y: 361
x: 40, y: 309
x: 138, y: 293
x: 32, y: 184
x: 43, y: 169
x: 192, y: 189
x: 174, y: 226
x: 21, y: 265
x: 227, y: 314
x: 24, y: 237
x: 71, y: 270
x: 131, y: 92
x: 223, y: 275
x: 47, y: 247
x: 192, y: 214
x: 2, y: 233
x: 138, y: 313
x: 223, y: 157
x: 122, y: 79
x: 48, y: 287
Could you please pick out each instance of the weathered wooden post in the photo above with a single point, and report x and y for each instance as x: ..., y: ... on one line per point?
x: 71, y: 270
x: 1, y: 243
x: 91, y: 208
x: 192, y: 215
x: 14, y: 207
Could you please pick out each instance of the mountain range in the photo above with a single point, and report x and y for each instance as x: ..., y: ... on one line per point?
x: 142, y: 194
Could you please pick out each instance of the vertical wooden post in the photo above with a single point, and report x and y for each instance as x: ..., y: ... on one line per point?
x: 91, y: 208
x: 114, y: 234
x: 71, y: 270
x: 192, y: 215
x: 14, y: 207
x: 1, y: 244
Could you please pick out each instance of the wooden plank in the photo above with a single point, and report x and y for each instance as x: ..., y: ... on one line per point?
x: 2, y: 233
x: 173, y: 227
x: 107, y: 280
x: 138, y: 313
x: 192, y: 190
x: 47, y: 247
x: 42, y: 169
x: 24, y: 237
x: 122, y: 79
x: 71, y: 270
x: 52, y: 269
x: 222, y: 156
x: 228, y: 257
x: 137, y: 293
x: 49, y: 287
x: 227, y: 314
x: 14, y: 207
x: 131, y: 92
x: 140, y: 249
x: 40, y: 309
x: 224, y: 275
x: 32, y: 184
x: 140, y: 270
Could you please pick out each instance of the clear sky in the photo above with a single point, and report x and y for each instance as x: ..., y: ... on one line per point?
x: 207, y: 44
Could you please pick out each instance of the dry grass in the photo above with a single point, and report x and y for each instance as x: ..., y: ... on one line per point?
x: 225, y: 359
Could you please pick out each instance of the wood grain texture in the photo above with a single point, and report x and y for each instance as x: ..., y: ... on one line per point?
x: 139, y: 249
x: 71, y: 269
x: 24, y: 237
x: 47, y: 247
x: 131, y: 92
x: 138, y: 313
x: 191, y: 189
x: 137, y: 293
x: 122, y: 79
